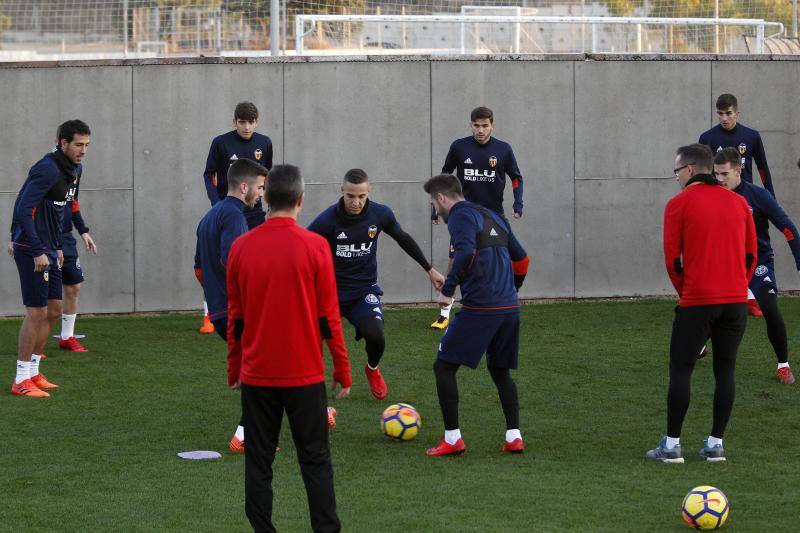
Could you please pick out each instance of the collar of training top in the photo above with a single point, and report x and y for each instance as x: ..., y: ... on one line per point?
x: 708, y: 179
x: 344, y: 215
x: 64, y: 163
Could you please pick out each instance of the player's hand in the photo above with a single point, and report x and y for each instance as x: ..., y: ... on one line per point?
x: 10, y: 249
x: 89, y: 242
x: 237, y: 385
x: 444, y: 301
x: 436, y: 221
x: 437, y: 279
x: 60, y: 258
x: 344, y: 392
x: 517, y: 215
x: 40, y: 263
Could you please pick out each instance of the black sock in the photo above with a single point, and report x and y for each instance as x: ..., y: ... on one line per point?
x: 507, y: 390
x: 371, y: 329
x: 447, y: 389
x: 776, y: 328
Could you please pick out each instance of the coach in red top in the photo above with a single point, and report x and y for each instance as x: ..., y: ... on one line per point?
x: 281, y: 304
x: 710, y: 250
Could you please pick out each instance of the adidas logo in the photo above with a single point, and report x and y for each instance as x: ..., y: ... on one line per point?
x: 492, y: 233
x: 234, y: 158
x: 341, y: 236
x: 772, y: 291
x: 468, y: 161
x: 377, y: 310
x: 767, y: 279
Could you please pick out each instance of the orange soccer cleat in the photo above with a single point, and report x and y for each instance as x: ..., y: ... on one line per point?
x: 753, y: 309
x: 28, y: 388
x: 376, y: 384
x: 236, y: 445
x: 72, y: 345
x: 445, y: 448
x: 207, y: 326
x: 785, y: 376
x: 40, y: 381
x: 331, y: 417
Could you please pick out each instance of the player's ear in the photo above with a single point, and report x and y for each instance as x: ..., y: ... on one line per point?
x: 300, y: 200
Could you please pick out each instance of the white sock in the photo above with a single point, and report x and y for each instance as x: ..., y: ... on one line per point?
x: 713, y: 441
x: 205, y: 308
x: 370, y: 367
x: 35, y: 364
x: 750, y: 295
x: 239, y: 433
x: 67, y: 326
x: 783, y: 365
x: 445, y: 311
x: 512, y: 435
x: 23, y: 371
x: 451, y: 436
x: 672, y: 442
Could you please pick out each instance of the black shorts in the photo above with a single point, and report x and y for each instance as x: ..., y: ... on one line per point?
x: 72, y: 272
x: 38, y: 287
x: 470, y: 335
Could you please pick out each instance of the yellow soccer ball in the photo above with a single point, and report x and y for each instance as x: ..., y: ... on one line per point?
x: 705, y: 507
x: 400, y: 421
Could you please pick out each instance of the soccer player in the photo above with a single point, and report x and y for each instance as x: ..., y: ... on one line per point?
x: 747, y: 141
x: 482, y: 163
x: 216, y: 232
x: 242, y: 142
x: 282, y: 304
x: 710, y: 251
x: 763, y: 283
x: 72, y: 273
x: 352, y: 227
x: 489, y: 265
x: 37, y: 249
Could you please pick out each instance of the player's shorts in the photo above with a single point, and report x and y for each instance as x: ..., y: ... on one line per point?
x: 764, y: 276
x: 255, y: 215
x: 367, y: 305
x: 470, y: 335
x: 71, y: 270
x: 38, y: 287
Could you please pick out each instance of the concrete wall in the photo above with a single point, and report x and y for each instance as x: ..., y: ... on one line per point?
x: 594, y: 139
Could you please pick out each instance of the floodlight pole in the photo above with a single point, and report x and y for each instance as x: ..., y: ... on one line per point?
x: 125, y: 28
x: 274, y: 28
x: 794, y: 18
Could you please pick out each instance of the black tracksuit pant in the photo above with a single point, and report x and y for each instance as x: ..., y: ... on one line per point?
x: 725, y: 325
x: 306, y: 409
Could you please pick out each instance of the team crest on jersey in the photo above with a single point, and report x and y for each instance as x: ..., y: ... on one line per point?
x: 493, y: 161
x: 742, y: 148
x: 372, y: 231
x: 258, y: 153
x: 761, y: 270
x: 371, y: 299
x: 46, y: 275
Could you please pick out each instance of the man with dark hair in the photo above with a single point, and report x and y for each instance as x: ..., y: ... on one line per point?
x: 490, y: 266
x: 242, y: 142
x: 482, y: 163
x: 352, y: 226
x: 216, y: 232
x: 709, y: 250
x: 280, y: 307
x: 747, y: 141
x: 71, y: 270
x: 37, y: 249
x: 763, y: 284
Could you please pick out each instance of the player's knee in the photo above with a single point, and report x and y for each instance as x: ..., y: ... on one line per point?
x: 444, y: 368
x: 499, y: 375
x: 372, y: 331
x: 38, y: 314
x: 54, y: 310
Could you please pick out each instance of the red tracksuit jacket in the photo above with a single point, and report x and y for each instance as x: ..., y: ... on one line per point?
x: 282, y: 302
x: 709, y: 245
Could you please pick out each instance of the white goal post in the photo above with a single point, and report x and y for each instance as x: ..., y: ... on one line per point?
x: 305, y: 25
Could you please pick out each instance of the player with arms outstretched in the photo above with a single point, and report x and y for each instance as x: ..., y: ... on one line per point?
x: 352, y: 227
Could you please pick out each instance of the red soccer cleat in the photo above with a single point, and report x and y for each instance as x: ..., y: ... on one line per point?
x: 207, y: 326
x: 376, y: 384
x: 515, y: 446
x: 40, y: 381
x: 331, y: 417
x: 753, y: 309
x: 72, y: 345
x: 28, y: 388
x: 236, y: 445
x: 444, y: 448
x: 785, y: 376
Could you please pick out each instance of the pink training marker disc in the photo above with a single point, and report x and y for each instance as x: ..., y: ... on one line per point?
x: 199, y: 455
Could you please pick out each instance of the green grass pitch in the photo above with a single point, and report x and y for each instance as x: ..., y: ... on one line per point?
x: 100, y: 455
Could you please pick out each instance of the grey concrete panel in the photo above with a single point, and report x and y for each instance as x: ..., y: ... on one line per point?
x: 769, y: 101
x: 43, y: 98
x: 367, y: 115
x: 400, y: 277
x: 109, y: 282
x: 619, y: 228
x: 629, y: 113
x: 178, y: 110
x: 534, y: 112
x: 109, y: 275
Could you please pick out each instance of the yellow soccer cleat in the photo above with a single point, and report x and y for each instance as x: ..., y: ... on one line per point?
x: 441, y: 323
